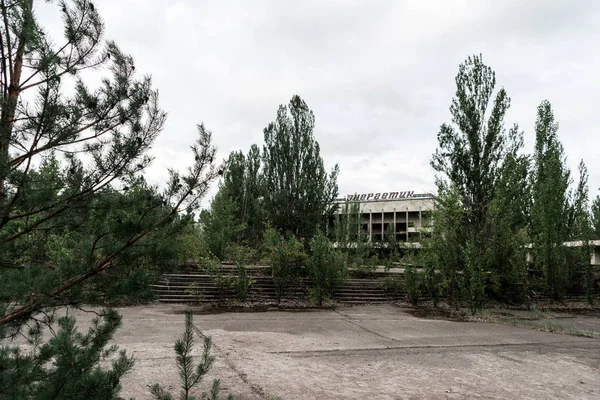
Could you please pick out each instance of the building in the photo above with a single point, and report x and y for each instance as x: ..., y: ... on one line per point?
x: 403, y: 213
x: 594, y: 246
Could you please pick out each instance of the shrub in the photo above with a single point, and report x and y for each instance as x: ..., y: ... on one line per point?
x: 242, y: 283
x: 286, y: 258
x: 413, y: 280
x: 360, y: 271
x: 195, y: 292
x: 326, y: 268
x: 392, y: 285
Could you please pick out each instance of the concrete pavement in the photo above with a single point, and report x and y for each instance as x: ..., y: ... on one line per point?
x: 374, y: 352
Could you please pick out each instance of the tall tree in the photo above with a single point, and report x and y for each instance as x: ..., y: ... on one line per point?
x: 299, y: 193
x: 581, y: 231
x: 243, y: 182
x: 549, y: 212
x: 220, y: 224
x: 509, y: 221
x: 596, y: 217
x: 443, y: 246
x: 471, y: 151
x: 253, y: 207
x: 63, y: 155
x: 470, y: 156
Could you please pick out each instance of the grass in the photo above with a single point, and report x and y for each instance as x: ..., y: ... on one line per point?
x: 542, y: 320
x: 551, y: 326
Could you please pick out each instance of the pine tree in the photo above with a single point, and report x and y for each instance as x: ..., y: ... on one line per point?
x: 298, y: 192
x: 191, y: 376
x: 72, y: 208
x: 67, y: 365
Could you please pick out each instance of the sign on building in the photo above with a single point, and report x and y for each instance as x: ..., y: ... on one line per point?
x: 379, y: 196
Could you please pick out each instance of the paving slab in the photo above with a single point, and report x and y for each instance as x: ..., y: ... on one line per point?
x: 374, y: 352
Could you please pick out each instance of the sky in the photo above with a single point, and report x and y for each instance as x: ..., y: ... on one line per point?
x: 378, y: 75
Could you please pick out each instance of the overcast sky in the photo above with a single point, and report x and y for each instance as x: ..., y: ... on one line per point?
x: 379, y: 75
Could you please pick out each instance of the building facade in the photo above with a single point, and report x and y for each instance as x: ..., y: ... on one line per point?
x: 403, y: 214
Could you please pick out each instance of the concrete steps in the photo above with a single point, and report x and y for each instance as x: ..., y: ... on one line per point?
x: 193, y: 286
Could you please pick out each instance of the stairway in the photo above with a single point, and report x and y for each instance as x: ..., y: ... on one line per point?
x: 193, y: 286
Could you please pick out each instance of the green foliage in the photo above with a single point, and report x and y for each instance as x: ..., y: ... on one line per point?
x: 244, y: 184
x: 474, y: 281
x: 77, y: 220
x: 242, y: 282
x: 243, y: 253
x: 393, y: 254
x: 352, y: 241
x: 442, y: 248
x: 413, y: 283
x: 286, y: 258
x: 219, y: 225
x: 393, y: 285
x: 68, y: 364
x: 191, y: 376
x: 326, y: 268
x: 582, y: 231
x: 596, y: 217
x: 299, y: 194
x: 347, y: 229
x: 485, y: 204
x: 195, y: 292
x: 509, y: 219
x: 471, y: 151
x: 191, y: 244
x: 549, y: 220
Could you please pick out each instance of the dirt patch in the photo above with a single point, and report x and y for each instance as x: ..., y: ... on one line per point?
x: 445, y: 313
x: 255, y: 307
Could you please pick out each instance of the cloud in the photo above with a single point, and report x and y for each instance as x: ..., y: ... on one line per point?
x: 379, y: 75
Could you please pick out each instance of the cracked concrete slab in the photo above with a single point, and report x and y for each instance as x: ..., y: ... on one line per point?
x: 378, y: 352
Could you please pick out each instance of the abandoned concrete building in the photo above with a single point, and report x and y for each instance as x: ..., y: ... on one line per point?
x: 405, y: 214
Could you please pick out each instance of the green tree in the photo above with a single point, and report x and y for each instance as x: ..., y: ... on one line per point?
x: 596, y: 217
x: 509, y: 221
x: 220, y: 225
x: 253, y: 207
x: 443, y: 245
x: 346, y: 226
x: 64, y: 157
x: 581, y: 231
x: 549, y: 219
x: 243, y: 181
x: 470, y: 155
x: 298, y: 193
x: 471, y: 151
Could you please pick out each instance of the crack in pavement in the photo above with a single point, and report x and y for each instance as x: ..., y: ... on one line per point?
x: 256, y: 389
x: 347, y: 318
x: 434, y: 347
x: 357, y: 322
